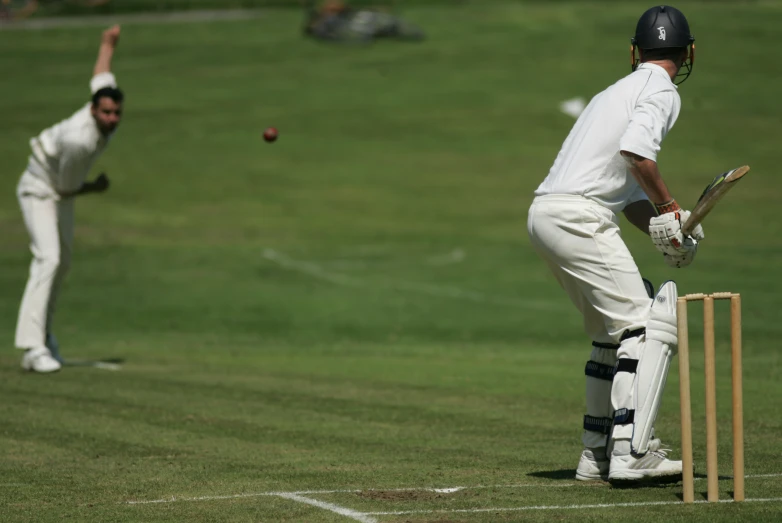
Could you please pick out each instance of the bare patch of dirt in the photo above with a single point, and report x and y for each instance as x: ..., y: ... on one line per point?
x: 400, y: 495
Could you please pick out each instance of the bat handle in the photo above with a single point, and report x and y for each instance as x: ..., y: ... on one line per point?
x: 688, y: 227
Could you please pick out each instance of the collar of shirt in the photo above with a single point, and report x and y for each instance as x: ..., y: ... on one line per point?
x: 657, y: 69
x: 102, y: 139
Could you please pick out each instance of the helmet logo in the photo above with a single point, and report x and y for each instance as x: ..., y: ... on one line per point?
x: 662, y: 33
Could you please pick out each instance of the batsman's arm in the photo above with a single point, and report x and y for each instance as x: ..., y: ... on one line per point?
x: 640, y: 214
x: 108, y: 43
x: 647, y: 174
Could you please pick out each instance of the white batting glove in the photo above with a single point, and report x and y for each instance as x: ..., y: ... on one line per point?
x: 678, y: 261
x: 667, y: 236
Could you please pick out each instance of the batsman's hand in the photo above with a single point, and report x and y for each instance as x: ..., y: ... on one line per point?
x: 101, y: 183
x: 667, y: 236
x: 680, y: 260
x: 111, y: 36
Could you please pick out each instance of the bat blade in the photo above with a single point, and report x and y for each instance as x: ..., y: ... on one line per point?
x: 718, y: 188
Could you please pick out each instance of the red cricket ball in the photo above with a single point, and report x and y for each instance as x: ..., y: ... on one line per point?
x: 270, y: 134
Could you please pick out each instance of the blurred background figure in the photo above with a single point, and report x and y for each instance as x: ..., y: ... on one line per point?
x: 11, y: 9
x: 335, y: 20
x: 19, y: 9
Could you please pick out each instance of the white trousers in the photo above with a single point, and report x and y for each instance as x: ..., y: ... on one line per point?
x: 581, y: 243
x: 50, y: 225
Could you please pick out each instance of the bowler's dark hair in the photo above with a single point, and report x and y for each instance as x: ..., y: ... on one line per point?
x: 108, y: 92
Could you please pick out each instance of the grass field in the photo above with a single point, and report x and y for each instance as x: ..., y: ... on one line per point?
x: 356, y: 308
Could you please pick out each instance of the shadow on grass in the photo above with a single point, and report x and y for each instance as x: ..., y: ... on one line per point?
x: 562, y: 474
x: 105, y: 363
x: 570, y: 475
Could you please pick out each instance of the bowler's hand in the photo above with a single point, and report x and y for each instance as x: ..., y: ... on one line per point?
x: 111, y: 36
x: 101, y: 183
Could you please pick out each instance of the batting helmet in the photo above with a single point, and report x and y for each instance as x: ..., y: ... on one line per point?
x: 664, y: 27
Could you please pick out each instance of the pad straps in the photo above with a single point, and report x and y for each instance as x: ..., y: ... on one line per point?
x: 600, y: 371
x: 601, y: 425
x: 626, y: 335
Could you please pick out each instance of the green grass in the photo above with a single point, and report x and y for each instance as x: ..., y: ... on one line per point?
x: 82, y: 7
x: 365, y: 353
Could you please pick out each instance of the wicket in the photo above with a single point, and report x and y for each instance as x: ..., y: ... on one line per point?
x: 711, y: 395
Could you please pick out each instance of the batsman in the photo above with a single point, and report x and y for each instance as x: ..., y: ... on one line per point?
x: 608, y: 165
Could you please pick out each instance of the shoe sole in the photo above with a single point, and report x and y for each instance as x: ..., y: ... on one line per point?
x: 591, y: 477
x: 42, y: 371
x: 29, y: 368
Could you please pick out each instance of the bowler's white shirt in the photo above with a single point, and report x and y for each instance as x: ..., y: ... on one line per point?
x: 634, y: 115
x: 63, y: 154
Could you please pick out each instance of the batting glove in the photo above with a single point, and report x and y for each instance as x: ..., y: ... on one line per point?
x: 678, y: 261
x: 667, y: 236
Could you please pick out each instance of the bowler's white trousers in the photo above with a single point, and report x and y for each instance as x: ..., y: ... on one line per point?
x: 581, y: 243
x: 49, y: 223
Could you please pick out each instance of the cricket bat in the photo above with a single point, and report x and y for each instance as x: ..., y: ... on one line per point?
x: 711, y: 195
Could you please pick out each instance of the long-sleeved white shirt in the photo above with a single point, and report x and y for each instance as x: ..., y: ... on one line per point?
x: 633, y: 115
x: 63, y: 154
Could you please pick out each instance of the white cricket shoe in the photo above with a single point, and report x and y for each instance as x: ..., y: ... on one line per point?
x: 40, y: 359
x: 593, y: 465
x: 629, y: 467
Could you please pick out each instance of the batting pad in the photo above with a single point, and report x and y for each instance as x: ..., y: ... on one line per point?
x: 638, y: 404
x: 599, y: 373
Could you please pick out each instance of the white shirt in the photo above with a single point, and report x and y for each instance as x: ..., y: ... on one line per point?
x: 63, y: 154
x: 634, y: 115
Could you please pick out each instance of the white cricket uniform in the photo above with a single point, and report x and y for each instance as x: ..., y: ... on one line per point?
x: 573, y: 221
x: 61, y: 158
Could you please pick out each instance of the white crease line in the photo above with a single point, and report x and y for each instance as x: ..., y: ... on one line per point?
x: 400, y: 489
x: 342, y: 491
x: 342, y: 511
x: 174, y: 499
x: 455, y: 256
x: 563, y: 507
x: 311, y: 269
x: 439, y: 291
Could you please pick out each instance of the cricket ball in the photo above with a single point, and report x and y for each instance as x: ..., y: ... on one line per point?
x: 270, y: 134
